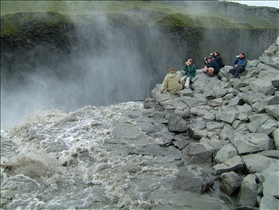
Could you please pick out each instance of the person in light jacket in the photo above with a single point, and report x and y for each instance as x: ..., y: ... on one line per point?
x: 239, y: 65
x: 189, y: 72
x: 171, y: 82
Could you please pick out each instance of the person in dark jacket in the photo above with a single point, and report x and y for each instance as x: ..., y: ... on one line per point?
x: 189, y: 72
x: 239, y: 65
x: 211, y: 68
x: 218, y: 58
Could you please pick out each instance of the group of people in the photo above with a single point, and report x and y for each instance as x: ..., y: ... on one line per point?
x: 173, y: 83
x: 213, y: 63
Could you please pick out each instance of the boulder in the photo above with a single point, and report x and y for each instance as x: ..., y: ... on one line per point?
x: 214, y: 125
x: 251, y: 97
x: 176, y: 123
x: 227, y: 132
x: 244, y: 112
x: 199, y: 111
x: 185, y: 92
x: 273, y: 110
x: 262, y: 86
x: 199, y: 153
x: 270, y: 188
x: 215, y: 102
x: 256, y: 163
x: 230, y: 183
x: 192, y: 102
x: 190, y: 178
x: 225, y: 153
x: 248, y: 191
x: 275, y: 135
x: 197, y: 129
x: 252, y: 142
x: 268, y: 126
x: 215, y: 143
x: 233, y: 164
x: 228, y: 115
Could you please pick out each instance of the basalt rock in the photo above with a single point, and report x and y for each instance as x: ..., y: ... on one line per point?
x: 233, y: 126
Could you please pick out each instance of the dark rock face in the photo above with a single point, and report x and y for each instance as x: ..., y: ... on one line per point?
x: 72, y: 57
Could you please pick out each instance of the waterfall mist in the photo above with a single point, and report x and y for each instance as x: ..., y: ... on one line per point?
x: 105, y: 59
x: 105, y: 65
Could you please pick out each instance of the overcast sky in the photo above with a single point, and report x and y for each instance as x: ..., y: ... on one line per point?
x: 274, y: 3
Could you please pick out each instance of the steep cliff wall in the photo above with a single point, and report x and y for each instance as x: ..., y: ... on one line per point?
x: 84, y: 56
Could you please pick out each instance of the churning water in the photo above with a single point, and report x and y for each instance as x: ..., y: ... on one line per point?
x: 85, y: 160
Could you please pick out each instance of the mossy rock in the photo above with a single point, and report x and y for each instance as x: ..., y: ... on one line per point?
x: 16, y: 23
x: 193, y: 21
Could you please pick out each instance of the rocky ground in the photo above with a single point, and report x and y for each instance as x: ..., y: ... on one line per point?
x: 227, y: 132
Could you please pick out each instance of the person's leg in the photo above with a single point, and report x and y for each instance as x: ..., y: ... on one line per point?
x: 211, y: 70
x: 232, y: 71
x: 238, y: 71
x: 187, y: 82
x: 205, y: 69
x: 183, y: 80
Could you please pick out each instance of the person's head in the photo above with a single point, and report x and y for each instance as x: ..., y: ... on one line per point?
x: 216, y: 52
x: 209, y: 58
x: 241, y: 55
x: 171, y: 70
x: 190, y: 61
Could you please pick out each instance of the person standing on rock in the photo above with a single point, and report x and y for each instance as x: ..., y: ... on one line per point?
x: 239, y: 65
x: 211, y: 68
x: 189, y: 72
x: 171, y: 82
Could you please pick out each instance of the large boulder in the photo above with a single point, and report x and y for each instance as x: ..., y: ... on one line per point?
x: 191, y: 178
x: 257, y: 163
x: 248, y: 191
x: 176, y: 123
x: 252, y: 142
x: 199, y: 153
x: 270, y: 188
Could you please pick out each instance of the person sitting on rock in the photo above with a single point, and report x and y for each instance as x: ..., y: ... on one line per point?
x: 189, y: 72
x: 239, y: 65
x: 171, y: 82
x: 218, y: 58
x: 211, y: 68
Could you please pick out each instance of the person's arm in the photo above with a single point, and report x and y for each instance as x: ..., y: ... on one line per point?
x: 185, y: 70
x: 164, y: 85
x: 244, y: 64
x: 194, y: 70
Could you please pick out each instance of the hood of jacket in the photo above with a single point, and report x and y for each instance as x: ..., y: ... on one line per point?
x: 171, y: 75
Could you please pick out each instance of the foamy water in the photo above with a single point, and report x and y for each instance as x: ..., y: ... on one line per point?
x: 83, y: 160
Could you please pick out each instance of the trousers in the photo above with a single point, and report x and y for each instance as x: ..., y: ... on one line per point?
x: 235, y: 71
x: 185, y: 81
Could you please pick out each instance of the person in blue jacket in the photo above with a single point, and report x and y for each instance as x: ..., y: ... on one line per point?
x: 189, y: 72
x: 239, y: 65
x: 211, y: 68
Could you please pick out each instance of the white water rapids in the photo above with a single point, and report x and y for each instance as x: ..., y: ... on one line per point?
x: 83, y: 160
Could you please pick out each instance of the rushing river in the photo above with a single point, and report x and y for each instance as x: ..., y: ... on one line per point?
x: 85, y: 160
